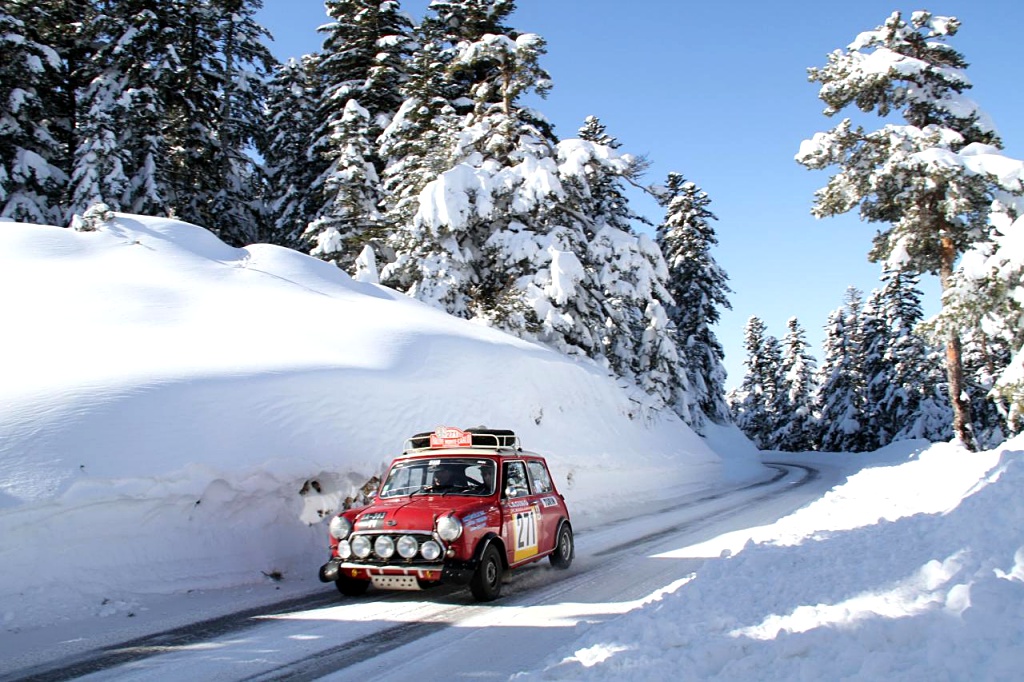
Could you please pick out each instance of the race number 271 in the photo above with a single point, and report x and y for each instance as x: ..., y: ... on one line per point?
x: 526, y: 533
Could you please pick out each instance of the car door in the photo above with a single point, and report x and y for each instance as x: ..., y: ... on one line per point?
x: 546, y: 501
x: 520, y: 514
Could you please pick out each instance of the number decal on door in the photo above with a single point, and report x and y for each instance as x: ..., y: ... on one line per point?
x: 525, y: 529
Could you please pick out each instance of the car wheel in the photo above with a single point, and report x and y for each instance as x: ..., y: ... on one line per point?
x: 486, y: 582
x: 350, y: 587
x: 565, y: 548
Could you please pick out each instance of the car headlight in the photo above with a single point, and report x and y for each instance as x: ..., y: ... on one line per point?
x: 407, y: 546
x: 344, y: 549
x: 361, y: 546
x: 430, y: 550
x: 384, y: 547
x: 449, y: 528
x: 340, y: 527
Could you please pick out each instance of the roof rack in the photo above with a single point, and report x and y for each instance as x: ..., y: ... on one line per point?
x: 479, y: 437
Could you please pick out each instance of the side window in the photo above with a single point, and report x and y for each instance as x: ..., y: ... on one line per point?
x: 515, y: 480
x: 541, y: 479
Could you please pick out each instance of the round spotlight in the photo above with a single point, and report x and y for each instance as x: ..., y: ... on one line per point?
x: 407, y: 546
x: 361, y: 546
x: 384, y: 547
x: 430, y: 550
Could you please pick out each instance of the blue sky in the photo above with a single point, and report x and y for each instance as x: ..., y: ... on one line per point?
x: 718, y: 92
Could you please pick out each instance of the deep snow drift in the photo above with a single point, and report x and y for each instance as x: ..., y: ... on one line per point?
x: 167, y: 402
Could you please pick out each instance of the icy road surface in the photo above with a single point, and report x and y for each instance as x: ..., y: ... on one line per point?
x: 405, y: 635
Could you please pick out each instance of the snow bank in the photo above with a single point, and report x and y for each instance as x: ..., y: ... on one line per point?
x: 177, y: 414
x: 912, y: 571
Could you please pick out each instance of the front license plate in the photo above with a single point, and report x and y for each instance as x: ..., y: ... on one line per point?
x: 395, y: 582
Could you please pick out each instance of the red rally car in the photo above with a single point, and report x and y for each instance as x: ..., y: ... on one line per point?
x: 457, y: 507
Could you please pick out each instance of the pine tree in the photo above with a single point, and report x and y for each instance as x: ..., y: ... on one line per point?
x: 70, y: 29
x: 213, y: 117
x: 624, y: 290
x: 498, y: 221
x: 154, y: 108
x: 905, y: 396
x: 913, y: 177
x: 754, y: 403
x: 350, y: 217
x: 421, y: 142
x: 841, y: 399
x: 32, y: 176
x: 247, y: 63
x: 292, y: 95
x: 596, y: 231
x: 986, y: 300
x: 987, y: 357
x: 465, y: 262
x: 416, y: 146
x: 699, y: 289
x: 606, y: 191
x: 120, y: 148
x: 360, y: 70
x: 797, y: 429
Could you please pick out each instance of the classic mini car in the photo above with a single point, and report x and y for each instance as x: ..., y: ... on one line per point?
x: 456, y: 507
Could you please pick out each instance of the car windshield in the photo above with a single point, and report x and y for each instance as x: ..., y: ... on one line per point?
x: 443, y: 476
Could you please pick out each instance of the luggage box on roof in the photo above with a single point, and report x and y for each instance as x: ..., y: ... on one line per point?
x: 481, y: 437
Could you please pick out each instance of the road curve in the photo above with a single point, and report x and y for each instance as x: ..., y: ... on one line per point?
x: 389, y: 635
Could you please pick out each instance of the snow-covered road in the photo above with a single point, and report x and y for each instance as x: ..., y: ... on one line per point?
x: 399, y: 636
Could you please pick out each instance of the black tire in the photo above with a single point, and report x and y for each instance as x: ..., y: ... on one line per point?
x: 565, y: 548
x: 350, y: 587
x: 486, y: 582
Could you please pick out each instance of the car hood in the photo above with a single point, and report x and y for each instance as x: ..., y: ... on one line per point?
x: 417, y: 513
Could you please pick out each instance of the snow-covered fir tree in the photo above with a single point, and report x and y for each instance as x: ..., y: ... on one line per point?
x: 350, y: 216
x: 624, y: 291
x: 987, y: 358
x: 120, y: 144
x: 422, y: 141
x: 418, y: 145
x: 755, y: 404
x: 841, y: 397
x: 246, y: 64
x: 292, y: 97
x: 32, y: 171
x: 606, y: 191
x: 699, y: 290
x: 986, y: 300
x: 922, y: 181
x: 593, y: 130
x: 906, y: 392
x: 216, y: 116
x: 454, y: 252
x: 798, y: 429
x: 153, y: 108
x: 500, y: 222
x: 360, y: 71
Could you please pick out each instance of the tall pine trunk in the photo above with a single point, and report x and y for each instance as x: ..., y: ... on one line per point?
x: 962, y: 422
